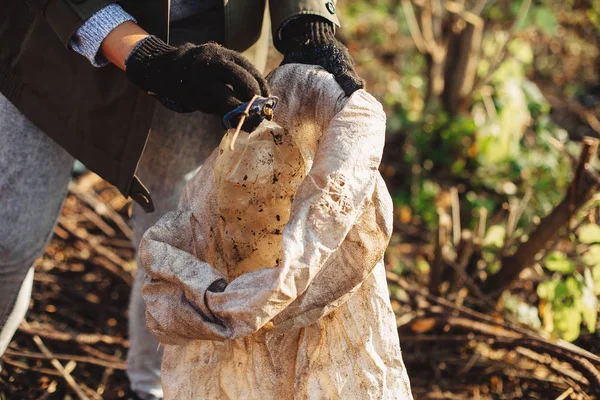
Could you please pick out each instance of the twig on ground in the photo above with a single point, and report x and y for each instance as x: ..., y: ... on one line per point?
x: 48, y: 332
x: 104, y: 381
x: 441, y: 338
x: 552, y: 364
x: 566, y: 394
x: 560, y: 345
x: 95, y: 246
x: 68, y: 357
x: 88, y: 196
x: 115, y: 270
x: 582, y: 365
x: 90, y: 392
x: 98, y: 354
x: 17, y: 364
x: 65, y: 374
x: 95, y: 219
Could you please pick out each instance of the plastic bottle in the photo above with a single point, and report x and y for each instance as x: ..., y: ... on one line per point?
x: 256, y: 184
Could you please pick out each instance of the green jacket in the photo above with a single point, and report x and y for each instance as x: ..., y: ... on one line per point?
x: 95, y: 113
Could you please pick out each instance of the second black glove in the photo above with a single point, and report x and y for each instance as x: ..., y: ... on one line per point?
x: 187, y: 78
x: 310, y: 39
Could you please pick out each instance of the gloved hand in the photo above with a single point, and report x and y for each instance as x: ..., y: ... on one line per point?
x: 310, y: 40
x: 187, y: 78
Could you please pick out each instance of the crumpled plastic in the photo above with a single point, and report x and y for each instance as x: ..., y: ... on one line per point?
x: 296, y: 219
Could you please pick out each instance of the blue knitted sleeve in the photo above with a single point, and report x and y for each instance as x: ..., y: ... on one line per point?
x: 88, y: 38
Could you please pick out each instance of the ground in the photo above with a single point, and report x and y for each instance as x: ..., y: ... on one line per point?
x: 78, y: 316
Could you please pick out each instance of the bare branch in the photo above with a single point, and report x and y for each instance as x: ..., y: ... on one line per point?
x: 68, y: 357
x: 413, y: 26
x: 583, y: 187
x: 456, y: 231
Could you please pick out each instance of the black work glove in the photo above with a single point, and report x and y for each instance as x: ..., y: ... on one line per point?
x: 310, y: 40
x: 187, y: 78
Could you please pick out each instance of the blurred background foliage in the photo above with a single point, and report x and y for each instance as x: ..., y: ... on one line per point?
x: 506, y: 145
x: 494, y: 264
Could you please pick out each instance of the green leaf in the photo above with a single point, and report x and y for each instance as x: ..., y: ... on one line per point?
x: 596, y: 278
x: 568, y: 321
x: 574, y: 286
x: 545, y: 20
x: 535, y: 97
x: 594, y: 18
x: 545, y: 290
x: 589, y: 233
x: 522, y: 51
x: 495, y: 236
x: 493, y: 268
x: 423, y: 266
x: 590, y: 318
x: 592, y: 255
x: 561, y: 293
x: 557, y: 261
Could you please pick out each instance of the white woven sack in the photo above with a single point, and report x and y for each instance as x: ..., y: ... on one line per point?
x: 296, y: 220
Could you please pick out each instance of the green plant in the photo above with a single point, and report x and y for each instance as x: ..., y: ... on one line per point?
x: 569, y: 299
x: 486, y: 131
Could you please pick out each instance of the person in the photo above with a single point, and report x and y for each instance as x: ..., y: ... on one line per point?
x: 80, y: 79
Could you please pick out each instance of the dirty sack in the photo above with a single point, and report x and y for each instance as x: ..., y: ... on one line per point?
x: 296, y: 220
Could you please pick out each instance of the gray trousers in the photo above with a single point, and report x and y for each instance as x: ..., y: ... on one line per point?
x: 34, y: 174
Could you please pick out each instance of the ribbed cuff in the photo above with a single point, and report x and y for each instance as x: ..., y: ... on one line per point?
x: 147, y: 48
x: 88, y: 38
x: 137, y: 46
x: 142, y: 56
x: 304, y: 30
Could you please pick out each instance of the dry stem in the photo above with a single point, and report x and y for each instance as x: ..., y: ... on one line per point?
x: 64, y: 373
x: 239, y: 125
